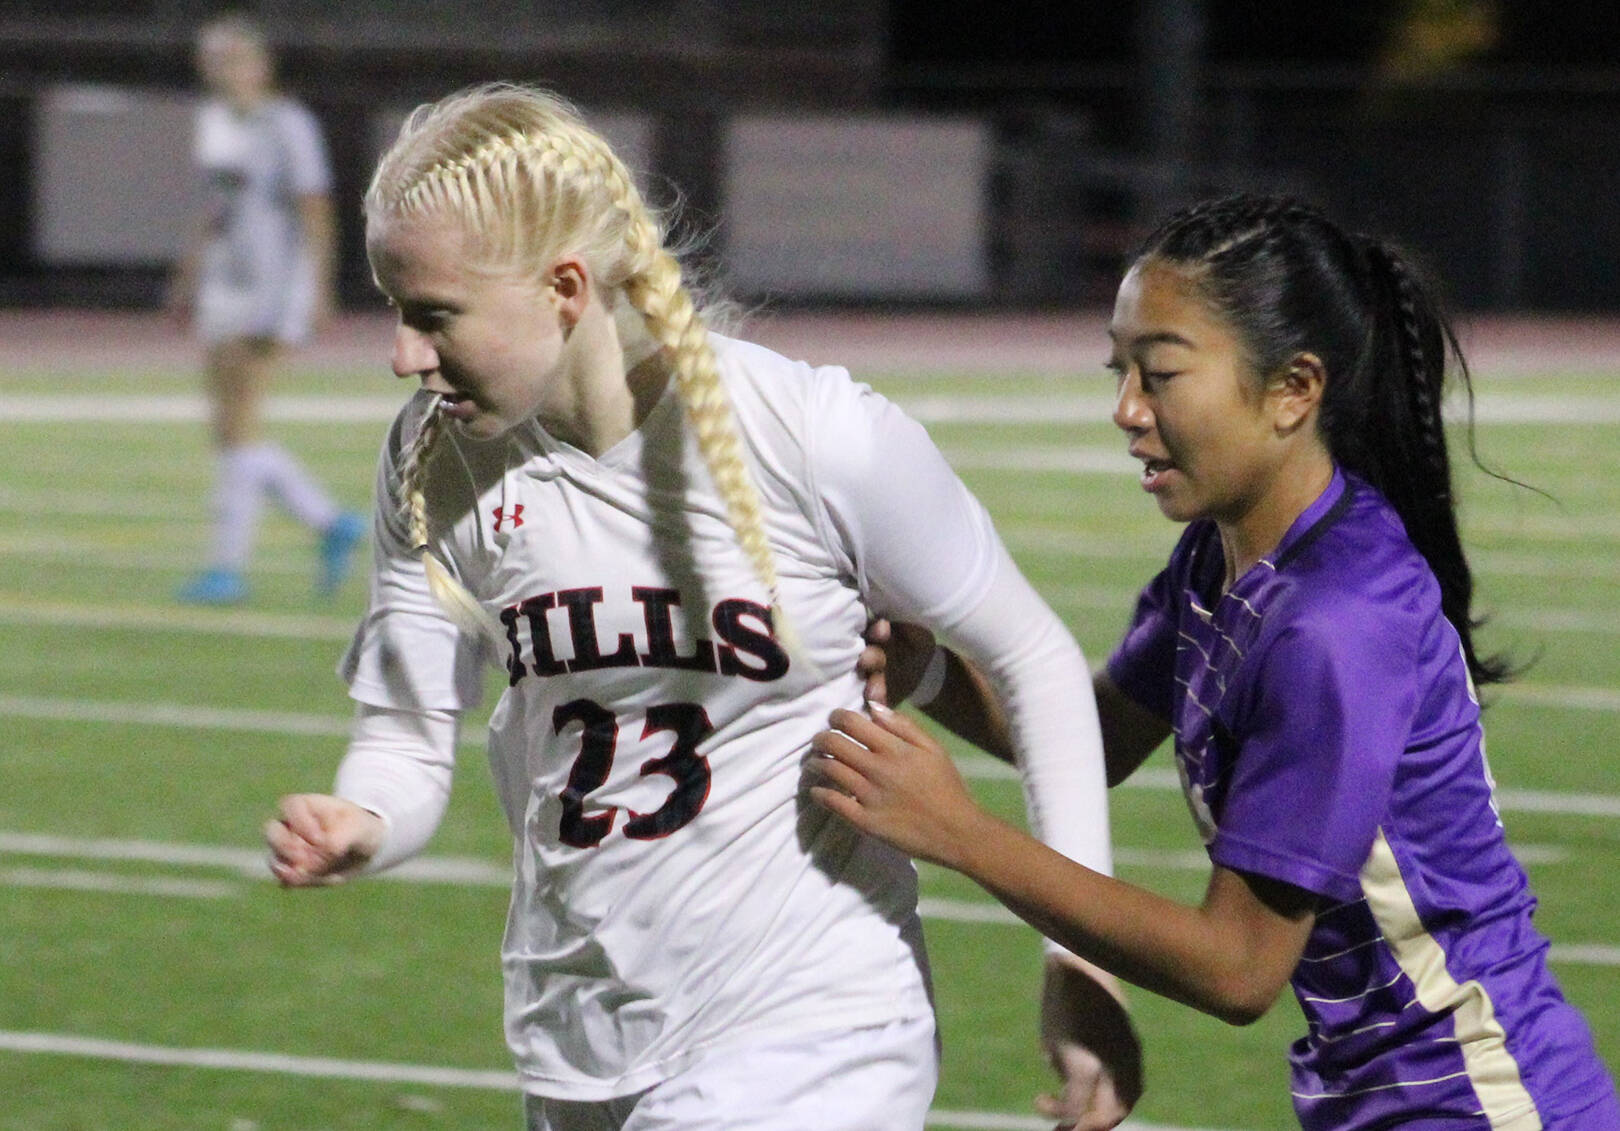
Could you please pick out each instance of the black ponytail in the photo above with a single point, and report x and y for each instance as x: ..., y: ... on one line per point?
x: 1414, y: 461
x: 1290, y: 281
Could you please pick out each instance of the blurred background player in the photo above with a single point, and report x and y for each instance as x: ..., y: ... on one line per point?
x: 1310, y: 646
x: 257, y: 278
x: 672, y: 541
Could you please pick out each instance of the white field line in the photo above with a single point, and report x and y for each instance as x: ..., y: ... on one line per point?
x: 138, y: 551
x: 1592, y: 954
x: 1010, y: 408
x: 80, y: 551
x: 1556, y: 530
x: 1579, y: 622
x: 175, y: 715
x: 308, y: 1066
x: 984, y: 768
x: 458, y: 871
x: 469, y: 871
x: 177, y: 619
x: 17, y: 609
x: 67, y: 879
x: 1568, y: 698
x: 1556, y: 561
x: 124, y: 506
x: 960, y: 911
x: 191, y: 408
x: 186, y: 717
x: 249, y: 863
x: 1533, y: 409
x: 100, y: 553
x: 420, y: 1075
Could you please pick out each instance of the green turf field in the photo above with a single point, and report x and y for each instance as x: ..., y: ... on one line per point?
x: 152, y: 977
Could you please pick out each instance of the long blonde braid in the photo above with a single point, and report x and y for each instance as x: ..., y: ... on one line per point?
x: 453, y: 597
x: 527, y: 179
x: 673, y: 320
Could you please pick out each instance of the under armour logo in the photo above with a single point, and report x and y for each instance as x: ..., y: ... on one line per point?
x: 515, y: 518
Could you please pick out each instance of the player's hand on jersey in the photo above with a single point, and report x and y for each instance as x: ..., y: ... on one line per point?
x: 893, y: 660
x: 887, y: 777
x: 1089, y: 1039
x: 319, y: 840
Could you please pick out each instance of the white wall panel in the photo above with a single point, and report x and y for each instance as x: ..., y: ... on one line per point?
x: 856, y: 207
x: 112, y: 175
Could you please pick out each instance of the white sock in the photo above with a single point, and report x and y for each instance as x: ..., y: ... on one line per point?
x: 236, y: 505
x: 284, y: 478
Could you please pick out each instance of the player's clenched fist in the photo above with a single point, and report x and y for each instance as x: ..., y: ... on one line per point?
x: 319, y: 839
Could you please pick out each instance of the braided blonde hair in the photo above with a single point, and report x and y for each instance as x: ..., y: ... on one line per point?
x: 527, y: 180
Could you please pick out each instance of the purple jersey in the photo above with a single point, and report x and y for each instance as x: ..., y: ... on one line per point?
x: 1328, y: 736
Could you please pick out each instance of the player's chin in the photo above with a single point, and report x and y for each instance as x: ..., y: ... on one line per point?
x: 1178, y: 506
x: 477, y: 425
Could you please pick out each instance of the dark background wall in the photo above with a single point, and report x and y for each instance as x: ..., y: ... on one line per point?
x: 1478, y: 132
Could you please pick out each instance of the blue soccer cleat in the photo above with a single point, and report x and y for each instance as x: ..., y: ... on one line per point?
x: 338, y: 542
x: 215, y: 586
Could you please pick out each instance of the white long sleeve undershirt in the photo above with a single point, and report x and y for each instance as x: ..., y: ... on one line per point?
x: 927, y: 552
x: 1042, y: 680
x: 399, y: 765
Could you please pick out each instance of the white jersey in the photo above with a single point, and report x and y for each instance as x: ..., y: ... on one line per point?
x: 257, y: 277
x: 673, y: 884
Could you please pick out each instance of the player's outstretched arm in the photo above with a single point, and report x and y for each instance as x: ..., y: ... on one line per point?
x: 319, y: 840
x: 1229, y: 957
x: 391, y: 791
x: 963, y: 702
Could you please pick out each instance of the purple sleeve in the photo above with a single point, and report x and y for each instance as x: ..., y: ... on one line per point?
x: 1143, y: 665
x: 1331, y: 704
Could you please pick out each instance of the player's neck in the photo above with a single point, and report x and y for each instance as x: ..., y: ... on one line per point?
x: 1250, y: 536
x: 246, y: 100
x: 601, y: 402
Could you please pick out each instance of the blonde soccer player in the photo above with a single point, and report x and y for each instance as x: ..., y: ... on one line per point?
x: 671, y: 542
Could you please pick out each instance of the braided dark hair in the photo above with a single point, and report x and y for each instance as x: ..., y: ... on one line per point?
x: 1290, y: 281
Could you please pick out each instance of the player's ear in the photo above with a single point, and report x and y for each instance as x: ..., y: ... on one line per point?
x: 1296, y: 392
x: 569, y: 281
